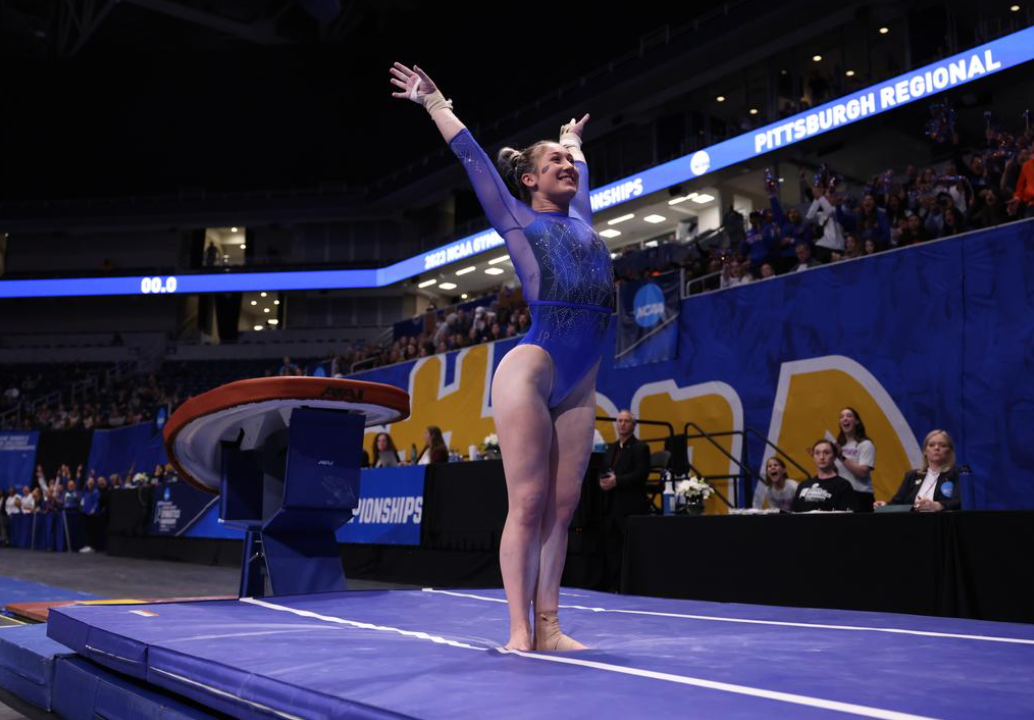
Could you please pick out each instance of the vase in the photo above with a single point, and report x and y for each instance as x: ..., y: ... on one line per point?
x: 694, y: 506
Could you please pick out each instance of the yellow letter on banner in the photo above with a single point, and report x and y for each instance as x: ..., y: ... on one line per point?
x: 807, y: 407
x: 460, y: 408
x: 715, y: 407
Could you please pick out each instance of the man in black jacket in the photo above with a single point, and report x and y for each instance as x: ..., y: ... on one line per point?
x: 624, y: 491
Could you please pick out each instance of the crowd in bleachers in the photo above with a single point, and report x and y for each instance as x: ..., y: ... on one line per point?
x: 980, y: 186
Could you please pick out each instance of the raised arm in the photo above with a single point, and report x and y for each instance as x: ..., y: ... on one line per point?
x: 503, y: 210
x: 571, y: 138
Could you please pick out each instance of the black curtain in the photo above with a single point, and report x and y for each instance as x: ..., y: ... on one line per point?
x: 63, y: 447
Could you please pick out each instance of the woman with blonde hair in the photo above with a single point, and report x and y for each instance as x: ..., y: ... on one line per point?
x: 934, y: 486
x: 544, y: 390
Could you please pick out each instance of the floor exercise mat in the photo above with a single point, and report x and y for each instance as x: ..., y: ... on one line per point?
x: 27, y: 661
x: 435, y: 654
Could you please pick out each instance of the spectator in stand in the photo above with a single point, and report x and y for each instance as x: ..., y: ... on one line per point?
x: 952, y: 222
x: 71, y: 498
x: 914, y: 232
x: 1022, y: 202
x: 767, y: 271
x: 775, y: 488
x: 804, y: 258
x: 289, y: 369
x: 384, y: 453
x: 1011, y: 172
x: 869, y: 248
x: 760, y: 244
x: 435, y: 449
x: 852, y: 247
x: 7, y: 508
x: 869, y: 221
x: 792, y: 230
x: 826, y: 491
x: 735, y: 273
x: 856, y: 457
x: 990, y: 211
x: 89, y: 505
x: 823, y: 212
x: 29, y: 500
x: 934, y: 486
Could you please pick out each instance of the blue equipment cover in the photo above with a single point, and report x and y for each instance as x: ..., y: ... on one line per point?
x: 84, y: 691
x: 434, y: 654
x: 27, y: 658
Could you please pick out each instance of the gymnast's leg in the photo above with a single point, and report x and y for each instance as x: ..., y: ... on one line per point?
x: 574, y: 421
x: 520, y: 393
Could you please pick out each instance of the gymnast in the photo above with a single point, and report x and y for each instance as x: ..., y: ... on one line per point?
x: 544, y: 391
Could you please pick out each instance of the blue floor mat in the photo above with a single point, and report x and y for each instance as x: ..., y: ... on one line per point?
x: 13, y: 590
x: 434, y: 654
x: 27, y: 659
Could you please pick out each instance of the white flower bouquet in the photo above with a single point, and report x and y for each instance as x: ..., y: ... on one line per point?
x: 692, y: 490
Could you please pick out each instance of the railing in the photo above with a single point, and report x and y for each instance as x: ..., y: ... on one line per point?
x: 746, y: 477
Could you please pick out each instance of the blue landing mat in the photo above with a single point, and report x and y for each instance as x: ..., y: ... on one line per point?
x: 433, y: 654
x: 47, y: 674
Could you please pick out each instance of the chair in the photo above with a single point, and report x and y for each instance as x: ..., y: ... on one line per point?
x: 659, y: 462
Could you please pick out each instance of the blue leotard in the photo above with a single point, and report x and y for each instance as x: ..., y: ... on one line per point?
x: 563, y: 265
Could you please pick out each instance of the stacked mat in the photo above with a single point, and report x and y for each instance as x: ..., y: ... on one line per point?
x: 49, y: 676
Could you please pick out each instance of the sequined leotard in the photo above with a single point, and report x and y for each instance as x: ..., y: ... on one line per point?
x: 563, y: 265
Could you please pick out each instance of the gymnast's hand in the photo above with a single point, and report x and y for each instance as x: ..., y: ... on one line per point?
x: 415, y: 84
x: 575, y: 128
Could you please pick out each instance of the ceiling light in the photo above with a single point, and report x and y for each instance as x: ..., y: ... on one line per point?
x: 654, y: 218
x: 613, y: 256
x: 233, y: 229
x: 276, y: 302
x: 463, y: 296
x: 265, y: 310
x: 816, y: 58
x: 884, y: 30
x: 448, y: 286
x: 254, y: 302
x: 258, y: 327
x: 610, y: 233
x: 468, y: 269
x: 720, y: 98
x: 427, y: 283
x: 501, y: 258
x: 621, y: 219
x: 1014, y: 8
x: 494, y: 271
x: 262, y: 294
x: 676, y: 201
x: 849, y: 73
x: 273, y: 321
x: 703, y: 199
x: 782, y: 72
x: 243, y: 246
x: 650, y: 243
x: 753, y: 111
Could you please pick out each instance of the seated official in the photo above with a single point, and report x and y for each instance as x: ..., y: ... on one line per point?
x: 435, y: 450
x: 935, y: 485
x: 384, y: 453
x: 827, y: 490
x: 775, y: 488
x: 624, y: 491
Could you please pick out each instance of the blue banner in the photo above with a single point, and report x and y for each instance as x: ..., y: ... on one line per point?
x: 648, y: 321
x: 127, y: 450
x: 935, y: 336
x: 391, y: 506
x: 17, y: 458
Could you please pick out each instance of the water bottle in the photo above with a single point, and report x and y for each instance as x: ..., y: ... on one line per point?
x: 669, y: 497
x: 413, y: 457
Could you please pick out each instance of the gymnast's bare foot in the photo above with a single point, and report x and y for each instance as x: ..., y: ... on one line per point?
x: 520, y: 641
x: 548, y: 636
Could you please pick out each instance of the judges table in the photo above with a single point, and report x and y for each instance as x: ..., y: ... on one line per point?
x: 965, y: 564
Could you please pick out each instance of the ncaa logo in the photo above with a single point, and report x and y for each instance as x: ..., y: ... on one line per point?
x: 648, y: 305
x: 700, y: 162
